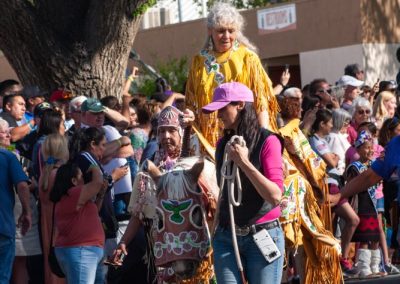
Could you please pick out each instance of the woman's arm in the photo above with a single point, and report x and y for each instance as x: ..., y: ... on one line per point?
x: 92, y: 188
x: 331, y: 159
x: 268, y: 189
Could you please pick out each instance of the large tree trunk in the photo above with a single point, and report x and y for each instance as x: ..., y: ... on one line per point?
x: 79, y: 45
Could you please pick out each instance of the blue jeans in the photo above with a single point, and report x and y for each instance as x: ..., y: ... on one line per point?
x: 256, y: 268
x: 7, y: 254
x: 81, y: 264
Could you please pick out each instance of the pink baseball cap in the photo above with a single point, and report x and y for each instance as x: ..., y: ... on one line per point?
x: 227, y: 93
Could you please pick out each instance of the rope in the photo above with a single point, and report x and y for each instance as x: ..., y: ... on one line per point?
x: 230, y: 172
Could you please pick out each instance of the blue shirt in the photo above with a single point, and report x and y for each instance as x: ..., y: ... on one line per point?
x: 388, y: 167
x: 11, y: 174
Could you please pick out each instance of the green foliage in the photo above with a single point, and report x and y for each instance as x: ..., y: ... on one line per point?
x: 142, y: 8
x: 146, y: 86
x: 175, y: 71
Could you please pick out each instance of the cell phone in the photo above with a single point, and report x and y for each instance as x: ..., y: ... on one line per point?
x: 110, y: 261
x: 287, y: 67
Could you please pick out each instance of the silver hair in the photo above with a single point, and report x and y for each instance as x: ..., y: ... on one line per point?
x: 339, y: 117
x: 291, y: 92
x: 4, y: 123
x: 225, y: 15
x: 359, y: 102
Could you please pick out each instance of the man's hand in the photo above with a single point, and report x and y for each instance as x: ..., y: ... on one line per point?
x: 25, y: 222
x: 116, y: 257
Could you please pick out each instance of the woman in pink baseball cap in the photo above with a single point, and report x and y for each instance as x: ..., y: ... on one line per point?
x: 257, y: 153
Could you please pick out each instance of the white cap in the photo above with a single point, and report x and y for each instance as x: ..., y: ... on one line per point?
x: 75, y: 103
x: 347, y: 80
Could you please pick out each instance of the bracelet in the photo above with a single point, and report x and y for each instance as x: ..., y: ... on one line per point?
x: 131, y: 78
x: 283, y: 86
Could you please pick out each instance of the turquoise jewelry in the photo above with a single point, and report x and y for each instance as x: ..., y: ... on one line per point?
x: 211, y: 64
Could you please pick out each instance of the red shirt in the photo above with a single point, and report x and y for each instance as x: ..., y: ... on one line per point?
x: 80, y: 227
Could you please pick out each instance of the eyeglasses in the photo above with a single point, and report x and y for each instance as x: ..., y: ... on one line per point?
x: 364, y: 111
x: 321, y: 91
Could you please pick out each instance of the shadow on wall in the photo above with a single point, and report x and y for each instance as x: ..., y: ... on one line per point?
x: 381, y: 38
x: 380, y: 62
x: 380, y: 22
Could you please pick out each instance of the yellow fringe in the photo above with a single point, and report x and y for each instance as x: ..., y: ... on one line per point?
x: 205, y: 272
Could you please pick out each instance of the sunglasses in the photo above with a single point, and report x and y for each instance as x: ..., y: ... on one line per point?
x: 364, y: 111
x: 329, y: 91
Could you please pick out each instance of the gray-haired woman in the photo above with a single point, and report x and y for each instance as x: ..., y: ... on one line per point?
x: 228, y: 56
x: 337, y: 139
x: 360, y: 112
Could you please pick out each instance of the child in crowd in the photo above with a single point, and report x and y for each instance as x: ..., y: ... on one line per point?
x: 321, y: 128
x: 368, y: 255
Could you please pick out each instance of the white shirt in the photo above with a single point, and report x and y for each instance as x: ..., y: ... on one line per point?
x: 339, y: 144
x: 125, y: 183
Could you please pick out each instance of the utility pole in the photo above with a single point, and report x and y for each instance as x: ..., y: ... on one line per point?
x: 180, y: 11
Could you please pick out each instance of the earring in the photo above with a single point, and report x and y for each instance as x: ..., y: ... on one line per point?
x: 210, y: 43
x: 236, y: 44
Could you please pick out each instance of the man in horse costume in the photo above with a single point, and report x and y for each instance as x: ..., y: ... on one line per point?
x: 173, y: 198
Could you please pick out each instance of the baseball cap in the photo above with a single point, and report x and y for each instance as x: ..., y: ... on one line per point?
x: 92, y: 105
x: 227, y: 93
x: 61, y: 95
x: 76, y: 103
x: 347, y: 80
x: 32, y: 92
x: 40, y: 108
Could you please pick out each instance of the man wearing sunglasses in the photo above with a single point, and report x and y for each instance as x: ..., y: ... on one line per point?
x: 321, y: 89
x: 351, y: 90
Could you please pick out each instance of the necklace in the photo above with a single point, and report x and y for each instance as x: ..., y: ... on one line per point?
x: 212, y: 66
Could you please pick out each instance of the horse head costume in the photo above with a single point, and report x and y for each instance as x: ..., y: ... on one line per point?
x: 180, y: 207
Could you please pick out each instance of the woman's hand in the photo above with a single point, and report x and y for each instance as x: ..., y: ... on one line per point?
x: 119, y: 173
x: 125, y: 141
x: 238, y: 154
x: 188, y: 118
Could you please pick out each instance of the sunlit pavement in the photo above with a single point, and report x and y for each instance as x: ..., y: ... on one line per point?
x: 386, y: 279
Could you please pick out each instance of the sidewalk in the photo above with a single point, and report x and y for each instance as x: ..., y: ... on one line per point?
x: 387, y: 279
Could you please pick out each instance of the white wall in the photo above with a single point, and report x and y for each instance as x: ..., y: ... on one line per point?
x: 380, y: 61
x: 377, y: 60
x: 328, y: 63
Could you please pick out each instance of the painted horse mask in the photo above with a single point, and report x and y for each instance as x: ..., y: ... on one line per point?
x: 181, y: 237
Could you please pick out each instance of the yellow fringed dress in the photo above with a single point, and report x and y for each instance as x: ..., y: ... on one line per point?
x: 239, y: 65
x: 302, y: 218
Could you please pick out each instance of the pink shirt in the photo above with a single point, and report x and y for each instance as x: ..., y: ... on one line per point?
x: 352, y: 133
x: 271, y: 160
